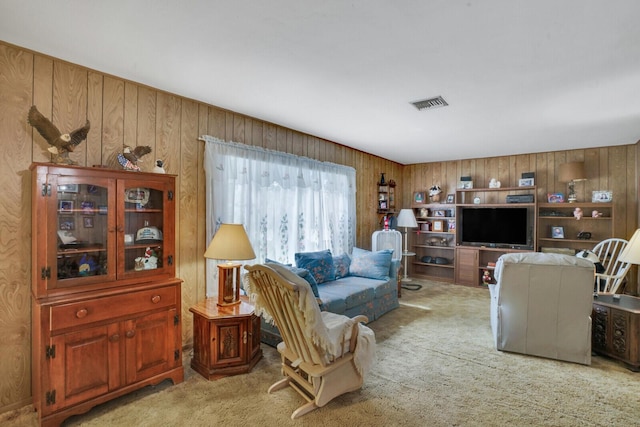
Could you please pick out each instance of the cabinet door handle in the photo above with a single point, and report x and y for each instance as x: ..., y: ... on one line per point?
x: 131, y: 333
x: 155, y: 299
x: 244, y: 337
x: 82, y: 313
x: 114, y: 338
x: 120, y: 228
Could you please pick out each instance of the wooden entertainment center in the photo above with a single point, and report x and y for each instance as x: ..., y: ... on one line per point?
x: 440, y: 225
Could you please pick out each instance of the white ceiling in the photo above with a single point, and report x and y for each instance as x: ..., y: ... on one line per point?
x: 520, y: 76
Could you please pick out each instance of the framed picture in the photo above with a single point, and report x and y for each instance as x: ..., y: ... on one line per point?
x: 65, y: 206
x: 66, y: 223
x: 418, y: 197
x: 102, y: 209
x: 557, y: 232
x: 88, y: 221
x: 465, y: 184
x: 68, y: 188
x: 382, y: 204
x: 526, y: 182
x: 451, y: 198
x: 555, y: 198
x: 87, y: 207
x: 601, y: 196
x: 438, y: 225
x: 452, y: 225
x: 439, y: 213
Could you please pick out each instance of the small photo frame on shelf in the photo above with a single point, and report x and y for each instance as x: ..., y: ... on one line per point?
x: 382, y: 204
x: 557, y: 232
x: 66, y: 223
x: 87, y: 207
x: 102, y: 209
x: 418, y: 197
x: 451, y: 198
x: 601, y: 196
x: 65, y: 206
x: 439, y: 212
x: 87, y: 221
x: 452, y: 225
x: 465, y: 185
x: 555, y: 198
x: 526, y: 182
x: 437, y: 225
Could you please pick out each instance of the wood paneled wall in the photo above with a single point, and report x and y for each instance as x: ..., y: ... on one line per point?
x: 607, y: 168
x: 125, y: 113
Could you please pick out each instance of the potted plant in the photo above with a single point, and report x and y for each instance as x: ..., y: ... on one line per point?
x: 434, y: 193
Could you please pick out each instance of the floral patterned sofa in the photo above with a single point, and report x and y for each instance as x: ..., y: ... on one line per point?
x: 364, y: 282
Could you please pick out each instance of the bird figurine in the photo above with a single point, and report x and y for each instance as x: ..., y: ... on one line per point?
x: 129, y: 158
x: 159, y: 167
x: 60, y: 143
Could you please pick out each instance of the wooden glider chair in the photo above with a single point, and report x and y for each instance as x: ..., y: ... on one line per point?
x: 323, y: 354
x: 615, y: 270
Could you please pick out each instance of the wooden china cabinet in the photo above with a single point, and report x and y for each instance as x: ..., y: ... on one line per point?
x: 106, y: 303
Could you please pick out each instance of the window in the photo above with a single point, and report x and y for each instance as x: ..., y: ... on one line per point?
x: 286, y: 203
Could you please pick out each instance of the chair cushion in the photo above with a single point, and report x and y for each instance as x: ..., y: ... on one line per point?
x: 372, y: 265
x: 319, y: 263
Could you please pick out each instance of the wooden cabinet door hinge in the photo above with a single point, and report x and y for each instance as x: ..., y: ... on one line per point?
x: 45, y: 273
x: 46, y: 190
x: 170, y: 194
x: 50, y: 352
x: 176, y: 320
x: 51, y: 397
x: 176, y: 355
x: 170, y: 259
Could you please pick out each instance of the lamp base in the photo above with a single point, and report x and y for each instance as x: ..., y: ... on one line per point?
x: 228, y: 284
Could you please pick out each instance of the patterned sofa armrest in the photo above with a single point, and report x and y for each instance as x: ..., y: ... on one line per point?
x: 394, y: 269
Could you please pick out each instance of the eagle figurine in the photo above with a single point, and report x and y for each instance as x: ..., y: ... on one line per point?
x: 60, y: 143
x: 130, y: 157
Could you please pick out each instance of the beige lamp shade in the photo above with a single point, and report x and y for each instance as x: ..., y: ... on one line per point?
x: 406, y: 218
x: 230, y: 243
x: 631, y: 252
x: 572, y: 171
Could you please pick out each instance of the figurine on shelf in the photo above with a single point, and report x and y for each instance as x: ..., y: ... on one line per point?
x: 596, y: 214
x: 434, y: 193
x: 129, y: 158
x: 494, y: 183
x: 382, y: 181
x: 486, y: 277
x: 577, y: 212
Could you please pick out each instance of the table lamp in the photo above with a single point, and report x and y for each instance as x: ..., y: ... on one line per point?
x: 571, y: 172
x: 230, y: 243
x: 406, y: 219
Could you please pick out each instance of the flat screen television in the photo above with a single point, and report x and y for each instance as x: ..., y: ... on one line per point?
x: 495, y: 227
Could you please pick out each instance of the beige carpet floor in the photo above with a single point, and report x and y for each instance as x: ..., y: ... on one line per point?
x: 436, y: 366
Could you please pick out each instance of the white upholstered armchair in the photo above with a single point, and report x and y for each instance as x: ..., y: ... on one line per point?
x: 541, y: 305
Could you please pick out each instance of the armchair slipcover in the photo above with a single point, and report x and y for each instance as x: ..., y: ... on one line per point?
x: 323, y: 354
x: 541, y: 305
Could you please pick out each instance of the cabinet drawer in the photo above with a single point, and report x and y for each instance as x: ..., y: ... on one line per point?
x: 99, y: 309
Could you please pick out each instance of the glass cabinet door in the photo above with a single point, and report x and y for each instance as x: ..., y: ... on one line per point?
x: 144, y: 228
x: 83, y: 252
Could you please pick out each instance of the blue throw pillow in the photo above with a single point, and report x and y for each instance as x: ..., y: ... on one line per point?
x: 320, y: 264
x: 373, y: 265
x: 302, y: 272
x: 341, y: 264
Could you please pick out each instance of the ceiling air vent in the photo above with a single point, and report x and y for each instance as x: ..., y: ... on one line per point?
x: 427, y: 104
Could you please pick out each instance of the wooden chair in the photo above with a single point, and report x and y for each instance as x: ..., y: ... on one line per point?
x: 608, y: 252
x: 323, y: 354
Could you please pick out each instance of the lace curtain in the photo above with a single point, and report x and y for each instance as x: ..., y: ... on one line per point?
x: 286, y: 203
